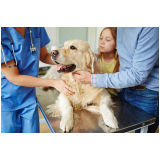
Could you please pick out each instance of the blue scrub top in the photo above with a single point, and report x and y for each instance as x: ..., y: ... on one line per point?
x: 14, y: 97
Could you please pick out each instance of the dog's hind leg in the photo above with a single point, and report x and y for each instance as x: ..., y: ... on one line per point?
x: 53, y: 110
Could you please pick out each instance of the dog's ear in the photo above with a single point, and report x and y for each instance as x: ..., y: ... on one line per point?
x: 90, y: 58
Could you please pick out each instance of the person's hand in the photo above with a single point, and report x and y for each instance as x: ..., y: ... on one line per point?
x: 62, y: 87
x: 82, y: 77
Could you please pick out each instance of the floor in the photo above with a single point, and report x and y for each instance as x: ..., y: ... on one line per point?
x: 43, y: 126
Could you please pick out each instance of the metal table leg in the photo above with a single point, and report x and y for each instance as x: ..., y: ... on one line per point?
x: 50, y: 127
x: 144, y: 129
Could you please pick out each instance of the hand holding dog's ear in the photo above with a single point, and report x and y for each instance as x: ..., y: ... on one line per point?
x: 82, y: 77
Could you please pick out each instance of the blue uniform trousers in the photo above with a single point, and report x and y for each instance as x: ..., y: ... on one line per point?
x: 25, y: 120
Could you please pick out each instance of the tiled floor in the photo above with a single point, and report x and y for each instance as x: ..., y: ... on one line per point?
x: 157, y: 130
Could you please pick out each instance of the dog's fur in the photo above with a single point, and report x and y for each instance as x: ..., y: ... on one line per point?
x: 93, y: 99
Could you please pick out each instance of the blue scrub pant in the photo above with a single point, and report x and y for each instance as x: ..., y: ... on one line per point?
x: 25, y: 120
x: 146, y: 100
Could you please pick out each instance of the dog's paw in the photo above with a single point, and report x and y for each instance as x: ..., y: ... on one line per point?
x: 106, y: 128
x: 111, y: 121
x: 66, y: 123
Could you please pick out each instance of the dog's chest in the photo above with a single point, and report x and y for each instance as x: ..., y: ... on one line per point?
x: 82, y: 96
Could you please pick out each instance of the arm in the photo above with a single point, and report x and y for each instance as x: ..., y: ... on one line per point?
x: 13, y: 75
x: 45, y: 57
x: 145, y: 56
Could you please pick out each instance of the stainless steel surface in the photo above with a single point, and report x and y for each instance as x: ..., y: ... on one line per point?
x: 129, y: 118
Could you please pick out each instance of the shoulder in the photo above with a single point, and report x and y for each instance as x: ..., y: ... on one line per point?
x: 130, y: 31
x: 150, y: 32
x: 5, y: 40
x: 4, y: 36
x: 38, y: 31
x: 149, y: 36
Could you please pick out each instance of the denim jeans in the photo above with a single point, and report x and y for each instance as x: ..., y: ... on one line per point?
x: 147, y: 100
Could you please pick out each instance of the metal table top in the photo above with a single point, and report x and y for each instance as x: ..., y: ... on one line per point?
x: 129, y: 118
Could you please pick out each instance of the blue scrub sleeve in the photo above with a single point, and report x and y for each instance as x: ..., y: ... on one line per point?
x: 44, y: 39
x: 8, y: 55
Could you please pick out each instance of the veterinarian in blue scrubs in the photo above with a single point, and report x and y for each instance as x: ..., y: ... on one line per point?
x: 19, y: 112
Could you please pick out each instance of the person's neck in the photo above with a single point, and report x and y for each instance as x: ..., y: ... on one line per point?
x: 108, y: 57
x: 20, y: 30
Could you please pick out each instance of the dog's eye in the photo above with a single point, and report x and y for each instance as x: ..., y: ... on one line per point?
x: 72, y: 47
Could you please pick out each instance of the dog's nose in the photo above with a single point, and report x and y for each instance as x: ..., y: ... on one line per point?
x: 54, y: 53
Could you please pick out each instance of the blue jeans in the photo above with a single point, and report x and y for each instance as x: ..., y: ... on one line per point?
x: 146, y: 100
x: 25, y: 120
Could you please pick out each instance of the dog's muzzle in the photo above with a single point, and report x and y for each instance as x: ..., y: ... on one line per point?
x: 54, y: 54
x: 60, y: 67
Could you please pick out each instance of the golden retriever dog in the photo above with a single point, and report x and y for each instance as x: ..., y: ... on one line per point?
x: 77, y: 55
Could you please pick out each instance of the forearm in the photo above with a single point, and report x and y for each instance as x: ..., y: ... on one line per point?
x: 29, y: 81
x: 47, y: 59
x: 117, y: 80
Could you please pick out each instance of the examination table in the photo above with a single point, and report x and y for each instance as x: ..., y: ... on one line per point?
x: 129, y: 118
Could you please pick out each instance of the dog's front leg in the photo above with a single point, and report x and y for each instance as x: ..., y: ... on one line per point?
x: 104, y: 127
x: 66, y: 123
x: 107, y: 113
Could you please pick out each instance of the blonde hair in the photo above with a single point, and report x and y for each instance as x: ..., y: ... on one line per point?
x: 113, y: 31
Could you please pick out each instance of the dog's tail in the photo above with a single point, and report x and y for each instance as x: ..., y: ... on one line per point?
x: 53, y: 110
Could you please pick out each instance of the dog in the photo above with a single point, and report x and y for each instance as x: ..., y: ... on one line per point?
x: 73, y: 56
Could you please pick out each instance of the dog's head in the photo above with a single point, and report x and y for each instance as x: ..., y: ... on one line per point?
x: 74, y: 55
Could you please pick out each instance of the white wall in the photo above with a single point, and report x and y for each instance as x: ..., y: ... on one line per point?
x: 53, y: 36
x: 52, y: 33
x: 99, y: 30
x: 92, y: 37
